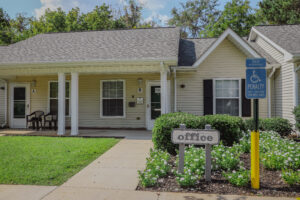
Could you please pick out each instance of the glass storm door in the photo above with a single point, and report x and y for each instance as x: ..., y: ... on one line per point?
x: 153, y: 103
x: 19, y: 105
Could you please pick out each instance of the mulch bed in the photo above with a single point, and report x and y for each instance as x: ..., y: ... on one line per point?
x: 271, y: 184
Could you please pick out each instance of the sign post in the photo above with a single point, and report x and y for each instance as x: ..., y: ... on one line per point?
x: 207, y: 137
x: 255, y: 89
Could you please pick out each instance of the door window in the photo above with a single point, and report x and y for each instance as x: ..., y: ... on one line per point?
x: 19, y: 102
x: 155, y: 102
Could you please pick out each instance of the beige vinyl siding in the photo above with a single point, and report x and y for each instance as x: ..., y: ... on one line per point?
x: 284, y: 83
x: 2, y: 102
x: 277, y: 55
x: 277, y: 99
x: 89, y: 99
x: 288, y: 90
x: 226, y: 61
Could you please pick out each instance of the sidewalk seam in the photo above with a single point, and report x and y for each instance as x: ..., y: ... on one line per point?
x: 56, y: 187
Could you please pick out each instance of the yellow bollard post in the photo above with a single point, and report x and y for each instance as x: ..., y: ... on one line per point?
x: 255, y: 159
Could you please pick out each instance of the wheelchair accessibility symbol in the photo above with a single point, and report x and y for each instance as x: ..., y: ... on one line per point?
x: 255, y: 78
x: 255, y: 83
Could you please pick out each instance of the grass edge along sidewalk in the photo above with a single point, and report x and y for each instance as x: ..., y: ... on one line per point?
x: 47, y: 160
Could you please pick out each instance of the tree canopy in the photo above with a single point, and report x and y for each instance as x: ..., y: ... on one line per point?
x: 237, y: 15
x: 194, y: 16
x: 280, y: 12
x: 198, y: 18
x: 102, y: 17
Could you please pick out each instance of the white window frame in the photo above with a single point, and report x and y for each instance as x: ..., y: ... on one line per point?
x: 239, y: 98
x: 124, y: 98
x: 53, y: 81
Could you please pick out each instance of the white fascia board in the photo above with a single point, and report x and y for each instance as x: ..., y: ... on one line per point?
x: 287, y: 55
x: 224, y: 35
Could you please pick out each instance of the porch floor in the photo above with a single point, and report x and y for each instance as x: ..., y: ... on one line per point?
x: 116, y: 133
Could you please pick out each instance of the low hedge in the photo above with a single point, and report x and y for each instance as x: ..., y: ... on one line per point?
x: 280, y: 125
x: 230, y: 128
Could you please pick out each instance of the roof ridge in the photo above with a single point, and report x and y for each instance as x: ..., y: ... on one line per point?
x: 117, y: 29
x: 278, y: 25
x: 199, y: 38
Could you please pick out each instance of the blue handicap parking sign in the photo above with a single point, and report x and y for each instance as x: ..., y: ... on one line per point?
x: 256, y: 83
x: 255, y: 62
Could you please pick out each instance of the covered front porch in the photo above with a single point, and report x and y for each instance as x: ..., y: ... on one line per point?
x: 122, y: 96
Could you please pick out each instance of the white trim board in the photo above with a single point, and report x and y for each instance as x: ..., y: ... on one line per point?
x: 224, y: 35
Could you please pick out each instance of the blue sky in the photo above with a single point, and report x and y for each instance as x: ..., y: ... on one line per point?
x: 159, y: 9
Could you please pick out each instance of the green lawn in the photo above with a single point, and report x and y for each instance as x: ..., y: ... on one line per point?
x: 47, y: 160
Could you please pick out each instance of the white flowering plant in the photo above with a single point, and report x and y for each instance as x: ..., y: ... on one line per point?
x: 238, y: 178
x: 225, y: 158
x: 278, y: 153
x: 291, y: 177
x: 157, y: 166
x: 194, y: 166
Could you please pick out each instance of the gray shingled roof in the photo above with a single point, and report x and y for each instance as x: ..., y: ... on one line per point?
x: 190, y: 50
x: 261, y: 52
x: 136, y: 44
x: 286, y: 36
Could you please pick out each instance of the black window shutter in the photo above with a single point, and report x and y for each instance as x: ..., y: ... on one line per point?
x: 208, y: 96
x: 246, y: 103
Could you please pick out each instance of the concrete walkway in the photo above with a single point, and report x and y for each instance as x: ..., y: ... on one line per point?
x: 112, y: 176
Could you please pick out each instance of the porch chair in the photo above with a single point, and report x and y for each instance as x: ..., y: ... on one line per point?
x: 50, y: 119
x: 35, y: 119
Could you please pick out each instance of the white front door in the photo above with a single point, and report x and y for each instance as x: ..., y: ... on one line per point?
x: 153, y: 102
x: 20, y: 104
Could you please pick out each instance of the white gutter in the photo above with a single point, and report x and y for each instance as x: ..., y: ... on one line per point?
x: 5, y: 105
x: 175, y: 90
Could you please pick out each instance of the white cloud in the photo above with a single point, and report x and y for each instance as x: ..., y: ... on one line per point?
x: 161, y: 20
x: 52, y: 4
x: 153, y: 4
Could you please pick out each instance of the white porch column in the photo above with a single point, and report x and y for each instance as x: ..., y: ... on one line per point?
x: 163, y: 89
x: 61, y: 104
x: 74, y: 103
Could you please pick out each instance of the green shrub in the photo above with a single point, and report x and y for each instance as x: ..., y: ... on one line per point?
x: 291, y: 177
x: 225, y: 158
x: 238, y: 178
x: 297, y: 116
x: 277, y: 124
x: 230, y: 128
x: 164, y: 125
x: 157, y: 166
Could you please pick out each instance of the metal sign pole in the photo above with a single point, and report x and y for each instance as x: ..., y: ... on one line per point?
x: 208, y: 158
x: 255, y: 148
x: 181, y: 153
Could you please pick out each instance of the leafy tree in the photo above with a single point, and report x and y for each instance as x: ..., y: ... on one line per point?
x: 5, y: 34
x: 54, y: 21
x: 19, y: 26
x: 74, y: 20
x: 100, y: 18
x: 194, y: 16
x: 132, y: 14
x: 280, y: 11
x: 237, y: 15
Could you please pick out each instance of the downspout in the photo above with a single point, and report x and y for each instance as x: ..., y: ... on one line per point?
x: 269, y: 91
x: 5, y: 105
x: 175, y: 90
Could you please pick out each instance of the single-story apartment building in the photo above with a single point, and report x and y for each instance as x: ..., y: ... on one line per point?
x: 127, y: 78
